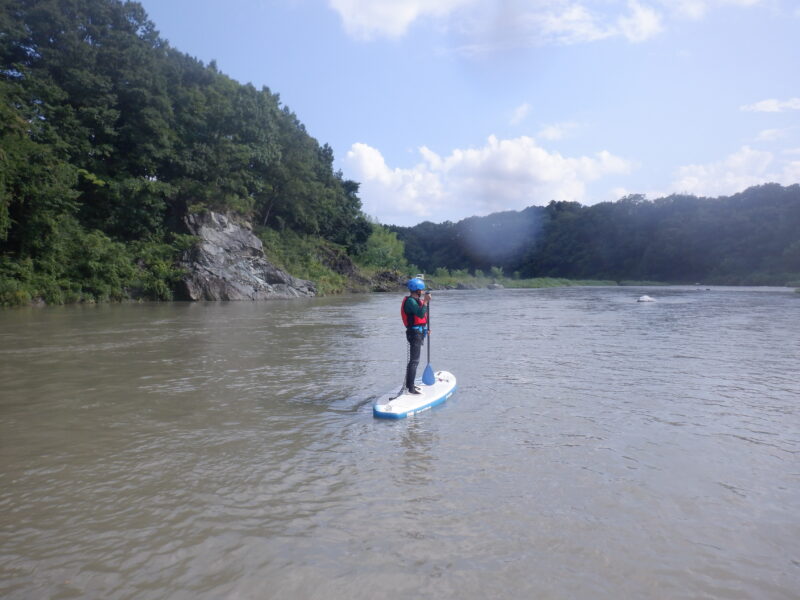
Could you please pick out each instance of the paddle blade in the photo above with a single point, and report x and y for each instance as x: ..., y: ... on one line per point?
x: 428, y: 378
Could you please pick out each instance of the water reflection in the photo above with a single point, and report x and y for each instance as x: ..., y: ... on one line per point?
x: 415, y: 465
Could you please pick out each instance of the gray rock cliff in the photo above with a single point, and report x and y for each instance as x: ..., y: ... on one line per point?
x: 229, y: 263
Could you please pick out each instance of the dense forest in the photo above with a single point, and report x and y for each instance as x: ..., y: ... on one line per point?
x: 748, y: 238
x: 109, y: 137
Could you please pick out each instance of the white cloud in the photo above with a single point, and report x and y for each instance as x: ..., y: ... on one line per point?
x: 556, y: 131
x: 520, y: 113
x: 740, y: 170
x: 501, y: 175
x: 740, y: 2
x: 697, y: 9
x: 692, y: 9
x: 513, y: 24
x: 368, y: 19
x: 562, y: 22
x: 770, y: 135
x: 773, y: 105
x: 487, y: 25
x: 508, y: 23
x: 409, y: 191
x: 791, y: 172
x: 617, y: 193
x: 573, y: 24
x: 642, y: 24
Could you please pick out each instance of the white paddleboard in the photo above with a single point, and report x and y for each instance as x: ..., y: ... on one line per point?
x: 391, y: 406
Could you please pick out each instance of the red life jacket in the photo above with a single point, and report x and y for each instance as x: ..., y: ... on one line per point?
x: 411, y: 320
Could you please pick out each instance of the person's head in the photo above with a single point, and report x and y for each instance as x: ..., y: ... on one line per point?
x: 416, y: 286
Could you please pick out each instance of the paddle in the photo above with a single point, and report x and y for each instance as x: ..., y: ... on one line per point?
x: 428, y: 377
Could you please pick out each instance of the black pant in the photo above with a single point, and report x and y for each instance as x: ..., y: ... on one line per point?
x: 414, y: 337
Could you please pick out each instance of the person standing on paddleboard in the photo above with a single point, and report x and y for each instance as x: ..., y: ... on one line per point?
x: 414, y: 312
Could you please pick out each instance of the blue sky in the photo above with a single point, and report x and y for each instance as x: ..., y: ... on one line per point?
x: 444, y: 109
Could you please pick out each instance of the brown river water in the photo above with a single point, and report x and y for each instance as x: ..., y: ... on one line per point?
x: 597, y: 448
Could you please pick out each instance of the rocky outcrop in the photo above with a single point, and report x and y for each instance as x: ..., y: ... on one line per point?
x: 228, y: 263
x: 388, y: 281
x: 339, y: 262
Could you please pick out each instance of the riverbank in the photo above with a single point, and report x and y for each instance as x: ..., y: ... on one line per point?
x: 475, y: 282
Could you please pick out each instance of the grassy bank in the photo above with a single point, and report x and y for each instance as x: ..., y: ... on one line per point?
x: 304, y: 256
x: 467, y: 281
x: 548, y: 282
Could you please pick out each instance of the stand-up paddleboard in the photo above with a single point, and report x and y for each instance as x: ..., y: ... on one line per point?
x: 392, y: 406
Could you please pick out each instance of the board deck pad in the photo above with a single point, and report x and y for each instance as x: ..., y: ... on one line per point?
x: 392, y: 406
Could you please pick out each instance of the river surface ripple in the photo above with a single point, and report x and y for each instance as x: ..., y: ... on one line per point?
x: 597, y: 448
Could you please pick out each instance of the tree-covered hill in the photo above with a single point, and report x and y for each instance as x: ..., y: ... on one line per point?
x: 748, y: 238
x: 109, y: 136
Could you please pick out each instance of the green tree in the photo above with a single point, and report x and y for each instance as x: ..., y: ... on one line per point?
x: 109, y: 135
x: 383, y: 250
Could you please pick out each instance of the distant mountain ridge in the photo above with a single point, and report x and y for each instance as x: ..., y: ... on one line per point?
x: 748, y: 238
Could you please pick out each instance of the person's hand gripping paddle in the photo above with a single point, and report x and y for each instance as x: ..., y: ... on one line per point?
x: 428, y: 378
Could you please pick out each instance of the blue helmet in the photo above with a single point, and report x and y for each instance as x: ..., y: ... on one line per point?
x: 416, y: 284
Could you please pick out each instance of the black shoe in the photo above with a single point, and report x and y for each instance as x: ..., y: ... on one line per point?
x: 414, y: 390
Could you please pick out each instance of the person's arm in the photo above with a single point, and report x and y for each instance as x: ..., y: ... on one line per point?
x: 414, y: 307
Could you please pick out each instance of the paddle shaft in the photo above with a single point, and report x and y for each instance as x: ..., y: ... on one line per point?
x: 428, y: 377
x: 429, y: 331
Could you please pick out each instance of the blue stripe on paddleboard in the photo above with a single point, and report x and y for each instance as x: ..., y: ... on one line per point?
x: 409, y: 413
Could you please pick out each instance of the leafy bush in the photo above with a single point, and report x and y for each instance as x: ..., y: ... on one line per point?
x: 383, y: 250
x: 299, y: 255
x: 158, y: 273
x: 80, y: 266
x: 12, y: 291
